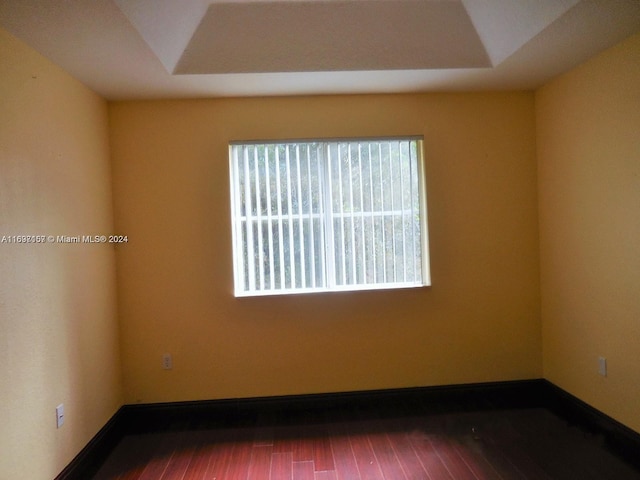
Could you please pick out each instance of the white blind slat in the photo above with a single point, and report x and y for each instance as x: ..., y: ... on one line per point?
x: 292, y: 269
x: 372, y: 218
x: 383, y: 221
x: 259, y: 218
x: 402, y: 207
x: 342, y: 238
x: 303, y: 276
x: 249, y: 221
x: 312, y: 253
x: 363, y: 250
x: 393, y: 220
x: 269, y: 217
x: 280, y: 228
x: 351, y: 217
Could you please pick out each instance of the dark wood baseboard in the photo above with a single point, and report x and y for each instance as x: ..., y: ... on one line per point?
x: 537, y: 393
x: 284, y: 409
x: 88, y: 461
x: 617, y: 437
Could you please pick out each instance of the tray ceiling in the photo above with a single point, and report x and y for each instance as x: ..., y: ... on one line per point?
x: 168, y: 48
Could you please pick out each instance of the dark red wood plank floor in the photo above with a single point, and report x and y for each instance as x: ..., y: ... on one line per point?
x: 508, y: 444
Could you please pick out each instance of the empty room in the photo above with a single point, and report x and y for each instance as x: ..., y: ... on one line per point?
x: 319, y: 239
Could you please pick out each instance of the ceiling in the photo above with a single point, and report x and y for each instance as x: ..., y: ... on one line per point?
x: 136, y: 49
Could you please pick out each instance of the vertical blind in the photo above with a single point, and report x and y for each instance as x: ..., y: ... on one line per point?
x: 328, y: 215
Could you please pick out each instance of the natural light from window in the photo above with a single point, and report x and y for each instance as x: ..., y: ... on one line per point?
x: 328, y: 215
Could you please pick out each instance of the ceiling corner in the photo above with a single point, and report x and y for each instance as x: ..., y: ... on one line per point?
x: 505, y: 26
x: 167, y: 26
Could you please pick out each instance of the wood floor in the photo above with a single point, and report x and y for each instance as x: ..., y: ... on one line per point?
x: 498, y: 444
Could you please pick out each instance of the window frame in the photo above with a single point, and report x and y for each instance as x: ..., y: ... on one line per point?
x: 326, y: 217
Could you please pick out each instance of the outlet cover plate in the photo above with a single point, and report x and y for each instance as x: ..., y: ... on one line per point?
x: 59, y: 415
x: 167, y: 361
x: 602, y: 366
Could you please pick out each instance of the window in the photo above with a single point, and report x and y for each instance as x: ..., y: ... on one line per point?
x: 330, y: 215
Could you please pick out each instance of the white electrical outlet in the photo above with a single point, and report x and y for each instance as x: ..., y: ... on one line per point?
x: 602, y: 366
x: 167, y: 361
x: 59, y: 415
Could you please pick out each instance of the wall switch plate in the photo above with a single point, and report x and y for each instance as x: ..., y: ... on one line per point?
x: 167, y: 361
x: 59, y: 415
x: 602, y: 366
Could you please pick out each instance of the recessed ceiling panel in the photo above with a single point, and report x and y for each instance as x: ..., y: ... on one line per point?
x: 166, y: 25
x: 505, y: 26
x: 312, y: 36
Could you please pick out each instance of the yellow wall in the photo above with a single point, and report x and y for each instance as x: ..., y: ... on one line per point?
x: 58, y: 325
x: 478, y: 322
x: 588, y: 127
